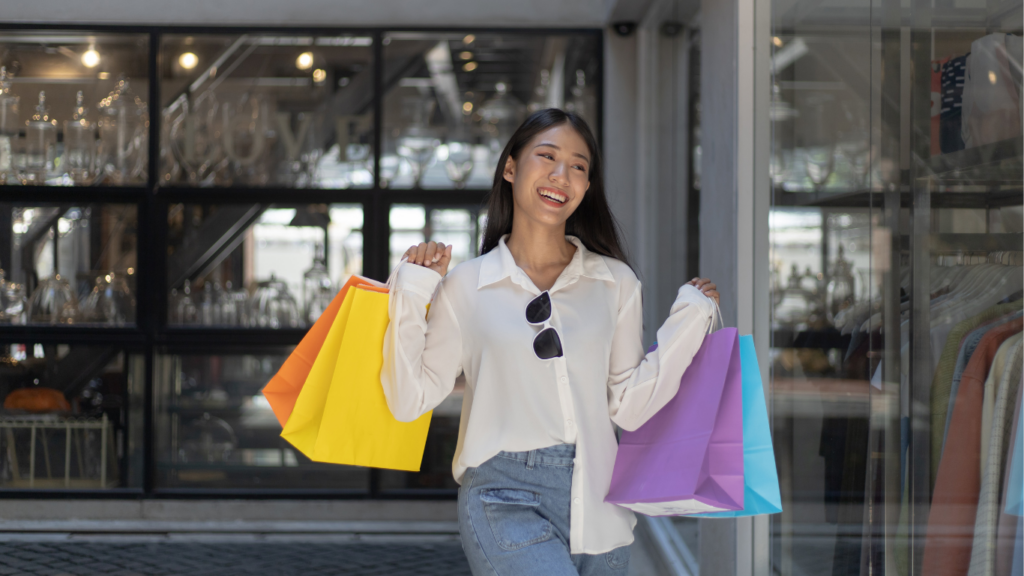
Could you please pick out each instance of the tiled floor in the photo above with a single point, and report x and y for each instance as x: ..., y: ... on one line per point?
x: 197, y: 558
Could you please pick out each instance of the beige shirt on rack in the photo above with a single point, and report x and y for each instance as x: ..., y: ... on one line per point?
x: 515, y: 401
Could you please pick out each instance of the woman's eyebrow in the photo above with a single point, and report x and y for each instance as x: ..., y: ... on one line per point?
x: 556, y: 147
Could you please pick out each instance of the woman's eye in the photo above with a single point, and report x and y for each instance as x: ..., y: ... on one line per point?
x: 548, y: 156
x: 580, y: 168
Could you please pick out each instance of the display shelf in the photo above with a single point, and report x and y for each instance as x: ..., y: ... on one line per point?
x: 867, y: 199
x: 208, y: 340
x: 127, y: 337
x: 978, y: 156
x: 70, y: 194
x: 826, y: 338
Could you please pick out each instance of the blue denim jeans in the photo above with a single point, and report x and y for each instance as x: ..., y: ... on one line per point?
x: 514, y: 518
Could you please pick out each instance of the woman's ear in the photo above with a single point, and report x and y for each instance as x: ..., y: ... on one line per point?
x: 510, y: 170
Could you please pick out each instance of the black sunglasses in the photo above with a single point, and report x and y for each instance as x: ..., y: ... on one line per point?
x: 546, y: 344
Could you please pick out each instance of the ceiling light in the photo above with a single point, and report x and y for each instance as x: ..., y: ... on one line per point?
x: 468, y: 39
x: 467, y: 55
x: 103, y: 75
x: 992, y: 77
x: 467, y: 107
x: 304, y: 61
x: 777, y: 41
x: 90, y: 58
x: 319, y: 75
x: 188, y: 60
x: 469, y: 66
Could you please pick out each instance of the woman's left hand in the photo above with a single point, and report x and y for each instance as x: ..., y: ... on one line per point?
x: 706, y: 287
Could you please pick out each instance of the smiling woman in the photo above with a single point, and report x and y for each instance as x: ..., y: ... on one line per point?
x: 544, y: 327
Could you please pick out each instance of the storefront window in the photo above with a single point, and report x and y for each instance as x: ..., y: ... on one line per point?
x: 259, y: 266
x: 216, y: 430
x: 896, y: 253
x: 455, y: 99
x: 267, y: 109
x: 71, y: 417
x: 74, y: 108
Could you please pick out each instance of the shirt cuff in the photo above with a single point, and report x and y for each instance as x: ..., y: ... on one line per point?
x: 417, y: 279
x: 689, y: 294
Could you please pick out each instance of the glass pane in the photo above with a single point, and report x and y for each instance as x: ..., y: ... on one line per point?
x: 267, y: 109
x: 259, y: 266
x: 71, y: 417
x: 896, y: 254
x: 453, y: 100
x: 459, y: 227
x: 215, y: 429
x: 69, y: 265
x: 74, y: 108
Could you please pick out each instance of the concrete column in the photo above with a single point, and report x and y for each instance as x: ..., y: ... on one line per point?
x: 735, y: 198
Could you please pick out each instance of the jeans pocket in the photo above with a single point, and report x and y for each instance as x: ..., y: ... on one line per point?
x: 619, y: 558
x: 514, y: 519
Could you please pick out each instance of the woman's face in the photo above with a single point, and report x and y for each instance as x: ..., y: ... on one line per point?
x: 551, y: 175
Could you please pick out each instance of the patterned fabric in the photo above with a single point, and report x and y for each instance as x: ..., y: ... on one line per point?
x: 950, y: 115
x: 943, y: 379
x: 983, y: 551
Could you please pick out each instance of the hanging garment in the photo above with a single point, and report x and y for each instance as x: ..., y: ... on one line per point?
x: 983, y: 549
x: 989, y: 409
x: 1006, y: 532
x: 943, y: 378
x: 991, y: 97
x: 950, y: 115
x: 967, y: 347
x: 936, y: 107
x: 955, y: 499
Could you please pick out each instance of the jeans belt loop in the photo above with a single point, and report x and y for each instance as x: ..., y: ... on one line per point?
x: 531, y: 459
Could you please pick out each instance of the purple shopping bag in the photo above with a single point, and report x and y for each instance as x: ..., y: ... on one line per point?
x: 688, y: 458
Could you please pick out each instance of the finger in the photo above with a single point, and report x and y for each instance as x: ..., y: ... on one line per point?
x: 440, y: 251
x: 709, y: 287
x: 410, y: 253
x: 421, y: 251
x: 693, y: 282
x: 428, y: 255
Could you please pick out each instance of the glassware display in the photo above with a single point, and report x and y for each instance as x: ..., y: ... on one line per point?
x: 110, y: 302
x: 272, y: 306
x: 40, y: 145
x: 246, y: 113
x: 207, y: 439
x: 79, y: 145
x: 122, y: 149
x: 317, y: 288
x: 446, y: 123
x: 53, y: 302
x: 9, y: 126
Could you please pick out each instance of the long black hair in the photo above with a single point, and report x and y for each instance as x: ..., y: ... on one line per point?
x: 592, y: 222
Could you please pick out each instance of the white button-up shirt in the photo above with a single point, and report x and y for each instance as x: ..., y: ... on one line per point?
x: 515, y: 401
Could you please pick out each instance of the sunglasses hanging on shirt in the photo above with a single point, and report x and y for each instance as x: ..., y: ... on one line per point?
x: 546, y: 344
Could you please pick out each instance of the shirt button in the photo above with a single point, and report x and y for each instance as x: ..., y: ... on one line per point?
x: 564, y: 379
x: 569, y: 422
x: 576, y: 500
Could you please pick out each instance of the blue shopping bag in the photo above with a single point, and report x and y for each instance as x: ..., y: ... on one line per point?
x: 760, y: 478
x: 1015, y: 486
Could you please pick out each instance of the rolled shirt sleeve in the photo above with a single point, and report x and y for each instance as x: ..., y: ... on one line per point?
x: 422, y: 350
x: 641, y: 384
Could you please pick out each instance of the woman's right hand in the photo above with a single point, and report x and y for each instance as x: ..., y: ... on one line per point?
x: 433, y: 255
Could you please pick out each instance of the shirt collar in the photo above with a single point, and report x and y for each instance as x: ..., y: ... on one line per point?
x: 499, y: 264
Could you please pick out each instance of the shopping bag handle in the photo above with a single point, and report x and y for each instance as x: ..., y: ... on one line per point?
x: 718, y: 314
x: 394, y: 273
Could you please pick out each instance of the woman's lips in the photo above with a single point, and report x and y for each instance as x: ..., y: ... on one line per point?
x: 552, y: 192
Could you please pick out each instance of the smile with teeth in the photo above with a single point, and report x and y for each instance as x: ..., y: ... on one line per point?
x: 553, y: 195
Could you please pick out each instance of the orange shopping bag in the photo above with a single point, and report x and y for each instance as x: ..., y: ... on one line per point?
x: 283, y: 389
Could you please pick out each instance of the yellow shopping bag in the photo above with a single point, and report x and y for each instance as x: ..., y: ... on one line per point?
x: 341, y: 415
